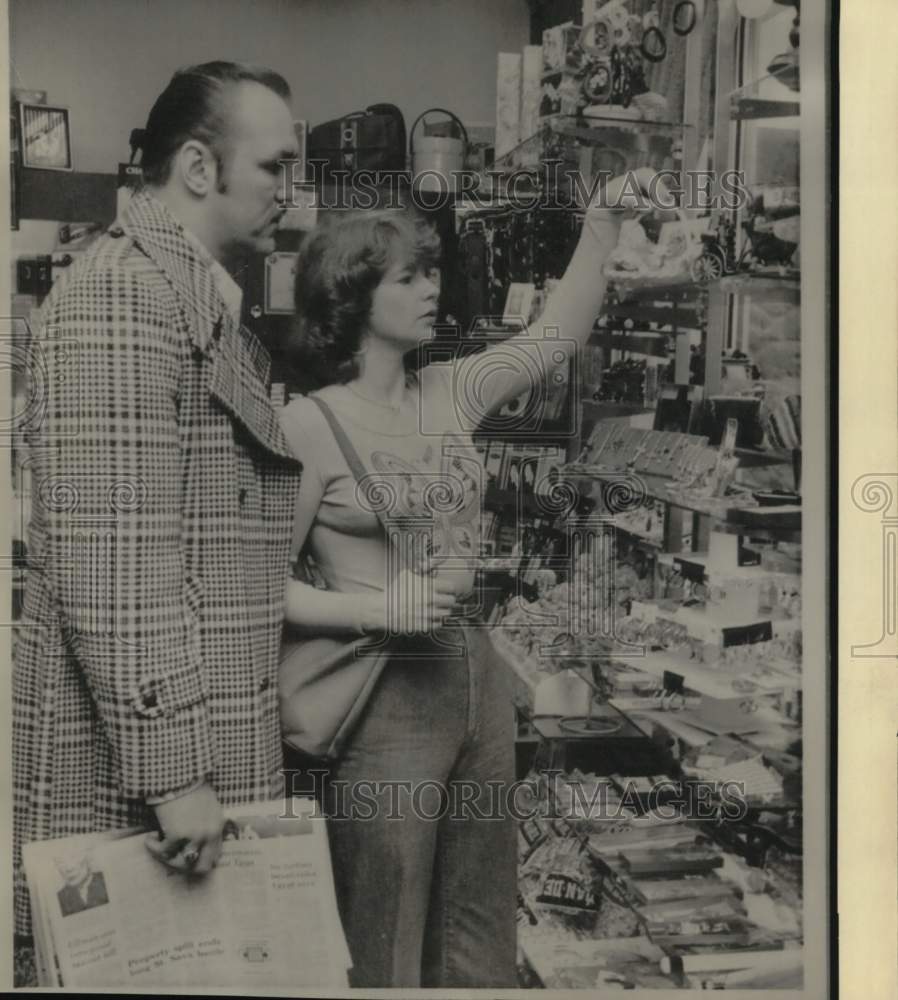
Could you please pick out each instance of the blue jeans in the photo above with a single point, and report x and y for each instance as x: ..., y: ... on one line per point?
x: 427, y: 887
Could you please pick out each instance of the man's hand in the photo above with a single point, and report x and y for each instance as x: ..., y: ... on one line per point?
x: 191, y: 832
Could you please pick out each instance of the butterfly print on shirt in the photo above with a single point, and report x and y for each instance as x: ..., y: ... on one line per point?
x: 449, y: 497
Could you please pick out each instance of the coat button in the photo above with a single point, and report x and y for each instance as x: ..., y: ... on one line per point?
x: 116, y: 231
x: 265, y: 684
x: 146, y: 701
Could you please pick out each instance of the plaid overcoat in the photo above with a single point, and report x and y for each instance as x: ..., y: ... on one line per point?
x: 163, y: 496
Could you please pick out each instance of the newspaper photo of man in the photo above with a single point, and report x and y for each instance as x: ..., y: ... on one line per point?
x: 83, y: 888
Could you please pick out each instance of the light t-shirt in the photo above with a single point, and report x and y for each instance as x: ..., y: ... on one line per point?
x: 422, y: 467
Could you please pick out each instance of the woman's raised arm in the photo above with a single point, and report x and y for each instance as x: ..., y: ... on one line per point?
x: 570, y: 310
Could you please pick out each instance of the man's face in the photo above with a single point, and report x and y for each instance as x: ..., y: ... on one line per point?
x: 247, y: 204
x: 73, y: 872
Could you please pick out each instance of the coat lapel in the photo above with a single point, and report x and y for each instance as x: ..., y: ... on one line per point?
x: 240, y: 369
x: 240, y: 364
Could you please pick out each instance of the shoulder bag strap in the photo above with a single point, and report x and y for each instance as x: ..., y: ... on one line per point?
x: 350, y: 454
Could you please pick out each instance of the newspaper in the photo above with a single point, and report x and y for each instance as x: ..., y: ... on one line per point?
x: 108, y: 914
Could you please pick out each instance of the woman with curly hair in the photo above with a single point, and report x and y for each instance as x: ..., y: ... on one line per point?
x: 427, y: 875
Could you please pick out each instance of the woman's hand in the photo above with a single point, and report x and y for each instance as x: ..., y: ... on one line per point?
x: 412, y: 605
x: 636, y: 190
x: 639, y: 189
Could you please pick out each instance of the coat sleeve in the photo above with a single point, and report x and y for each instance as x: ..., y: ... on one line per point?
x: 107, y: 490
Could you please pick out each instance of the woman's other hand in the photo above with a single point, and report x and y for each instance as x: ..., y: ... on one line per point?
x: 413, y: 604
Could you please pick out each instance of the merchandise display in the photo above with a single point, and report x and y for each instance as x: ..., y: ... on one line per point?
x: 688, y: 626
x: 669, y: 258
x: 612, y: 894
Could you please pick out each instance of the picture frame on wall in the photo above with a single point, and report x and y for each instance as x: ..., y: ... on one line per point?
x: 45, y: 138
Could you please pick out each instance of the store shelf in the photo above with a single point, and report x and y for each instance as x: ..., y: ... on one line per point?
x: 729, y: 511
x: 708, y: 681
x: 654, y: 544
x: 677, y: 291
x: 710, y: 622
x: 754, y: 108
x: 747, y: 104
x: 640, y: 312
x: 746, y: 284
x: 753, y: 457
x: 713, y: 624
x: 588, y: 128
x: 652, y: 343
x: 689, y: 735
x: 786, y: 519
x: 549, y: 432
x: 768, y: 731
x: 573, y: 132
x: 498, y: 500
x: 700, y: 559
x: 616, y: 120
x: 607, y: 409
x: 550, y: 727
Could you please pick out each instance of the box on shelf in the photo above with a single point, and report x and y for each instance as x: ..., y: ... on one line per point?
x: 561, y: 49
x: 531, y: 93
x: 508, y: 102
x: 561, y: 95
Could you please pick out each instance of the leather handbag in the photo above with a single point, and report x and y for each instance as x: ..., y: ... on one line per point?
x: 324, y: 683
x: 373, y: 139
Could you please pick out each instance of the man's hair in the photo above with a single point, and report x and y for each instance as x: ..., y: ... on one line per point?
x: 339, y: 267
x: 194, y: 106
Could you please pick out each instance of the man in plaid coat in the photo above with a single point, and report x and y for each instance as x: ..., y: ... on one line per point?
x: 145, y: 671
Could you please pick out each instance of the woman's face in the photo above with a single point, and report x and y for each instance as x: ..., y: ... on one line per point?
x: 404, y: 304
